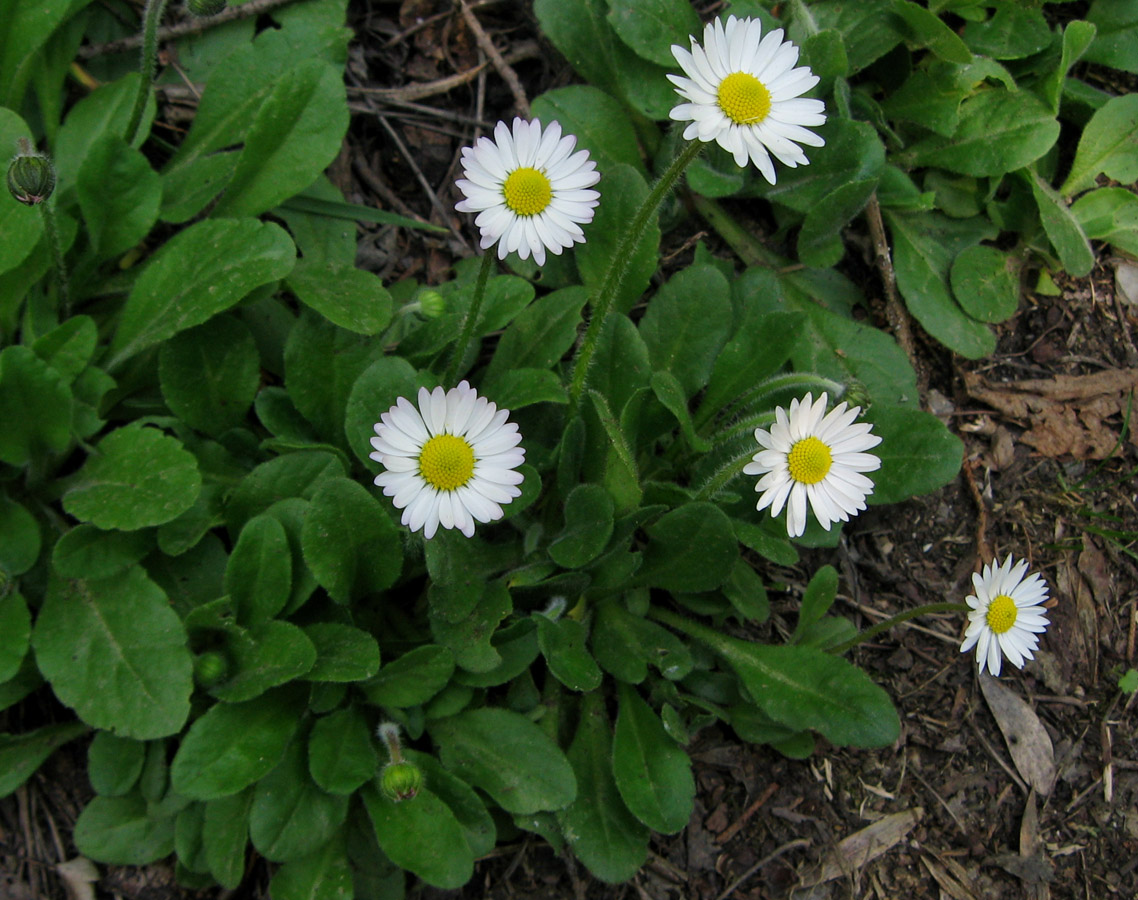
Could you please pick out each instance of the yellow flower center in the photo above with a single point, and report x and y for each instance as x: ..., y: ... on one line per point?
x: 446, y: 462
x: 1001, y: 613
x: 527, y: 191
x: 809, y: 460
x: 744, y: 99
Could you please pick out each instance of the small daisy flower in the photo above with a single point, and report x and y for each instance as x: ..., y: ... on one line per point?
x: 743, y: 93
x: 530, y: 190
x: 450, y: 462
x: 811, y: 456
x: 1006, y: 615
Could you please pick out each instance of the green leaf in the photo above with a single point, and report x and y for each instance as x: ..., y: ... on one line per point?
x: 210, y: 374
x: 816, y: 601
x: 925, y: 29
x: 468, y: 808
x: 119, y: 195
x: 745, y: 591
x: 562, y: 643
x: 122, y: 831
x: 517, y: 645
x: 541, y: 334
x: 1000, y: 131
x: 1077, y: 39
x: 22, y: 754
x: 819, y: 239
x: 295, y: 135
x: 1109, y: 144
x: 271, y: 654
x: 673, y: 398
x: 588, y: 527
x: 520, y: 388
x: 350, y: 544
x: 854, y: 152
x: 188, y: 847
x: 225, y: 836
x: 650, y: 27
x: 421, y: 835
x: 620, y: 365
x: 26, y: 27
x: 683, y: 337
x: 1117, y: 23
x: 985, y: 281
x: 508, y: 757
x: 138, y: 477
x: 623, y: 476
x: 15, y: 634
x: 689, y: 549
x: 114, y: 763
x: 604, y: 835
x: 341, y: 756
x: 231, y: 258
x: 1109, y: 214
x: 413, y: 678
x: 116, y: 653
x: 258, y: 576
x: 290, y: 816
x: 234, y: 745
x: 35, y: 407
x: 625, y: 644
x: 1062, y: 228
x: 468, y: 637
x: 868, y: 27
x: 325, y: 874
x: 19, y: 540
x: 69, y: 347
x: 600, y: 124
x: 652, y: 772
x: 1012, y: 33
x: 343, y: 653
x: 374, y: 393
x: 346, y: 296
x: 290, y: 477
x: 918, y: 454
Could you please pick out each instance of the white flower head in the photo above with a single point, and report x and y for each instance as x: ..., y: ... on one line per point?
x: 811, y: 456
x: 1006, y: 615
x: 530, y: 190
x: 743, y: 92
x: 450, y: 462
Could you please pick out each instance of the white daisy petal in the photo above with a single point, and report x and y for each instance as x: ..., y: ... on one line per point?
x: 1007, y: 614
x: 451, y: 461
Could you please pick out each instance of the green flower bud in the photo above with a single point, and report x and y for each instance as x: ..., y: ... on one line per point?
x: 31, y: 178
x: 205, y: 8
x: 401, y: 780
x: 857, y: 395
x: 432, y: 304
x: 210, y: 668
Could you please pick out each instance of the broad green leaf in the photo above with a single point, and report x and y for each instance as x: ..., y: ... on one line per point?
x: 188, y: 189
x: 258, y: 576
x: 468, y: 808
x: 350, y: 544
x: 234, y: 745
x: 22, y: 754
x: 346, y: 296
x: 210, y: 374
x: 689, y: 549
x: 296, y: 133
x: 341, y: 756
x: 122, y: 831
x: 755, y: 727
x: 854, y: 152
x: 116, y: 653
x: 468, y: 637
x: 119, y: 194
x: 924, y: 246
x: 343, y: 653
x: 621, y: 474
x: 819, y: 239
x: 541, y: 334
x: 673, y: 398
x: 69, y: 347
x: 816, y: 600
x: 1011, y: 33
x: 588, y: 527
x: 225, y: 837
x: 1077, y: 39
x: 985, y: 281
x: 684, y: 337
x: 1115, y: 44
x: 421, y: 835
x: 653, y: 773
x: 1062, y: 228
x: 21, y: 225
x: 35, y: 407
x: 1109, y: 214
x: 288, y: 477
x: 1000, y: 131
x: 604, y: 835
x: 137, y: 477
x: 15, y: 634
x: 188, y: 839
x: 231, y: 258
x: 374, y: 393
x: 1109, y: 144
x: 868, y: 27
x: 105, y: 111
x: 768, y: 545
x: 600, y: 124
x: 25, y: 29
x: 626, y: 644
x: 620, y: 365
x: 918, y: 454
x: 324, y: 874
x: 562, y: 643
x: 925, y: 29
x: 745, y: 591
x: 520, y: 388
x: 271, y: 654
x: 114, y: 763
x: 19, y: 540
x: 291, y: 817
x: 413, y: 678
x: 508, y: 757
x: 517, y: 645
x: 650, y: 27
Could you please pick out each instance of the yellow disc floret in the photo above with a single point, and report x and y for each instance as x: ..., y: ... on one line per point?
x: 809, y: 460
x: 1001, y: 613
x: 446, y: 462
x: 527, y: 191
x: 744, y: 99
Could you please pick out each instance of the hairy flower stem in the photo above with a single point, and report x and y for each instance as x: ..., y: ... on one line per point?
x: 897, y: 620
x: 56, y: 246
x: 388, y: 732
x: 471, y: 319
x: 150, y: 19
x: 601, y: 303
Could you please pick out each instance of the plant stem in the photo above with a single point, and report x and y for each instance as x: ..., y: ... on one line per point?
x: 897, y: 620
x: 471, y: 319
x: 725, y: 474
x: 150, y: 19
x: 57, y: 257
x: 772, y: 385
x: 601, y: 303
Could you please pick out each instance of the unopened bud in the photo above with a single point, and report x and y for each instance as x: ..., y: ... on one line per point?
x: 432, y: 304
x: 857, y: 395
x: 210, y: 668
x: 31, y: 177
x: 401, y: 780
x: 204, y: 8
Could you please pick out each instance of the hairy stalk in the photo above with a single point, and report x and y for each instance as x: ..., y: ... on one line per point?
x: 56, y: 246
x: 470, y: 321
x: 150, y: 19
x: 773, y: 385
x: 897, y: 620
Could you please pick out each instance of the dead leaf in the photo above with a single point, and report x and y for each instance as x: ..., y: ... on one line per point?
x: 78, y: 876
x: 1027, y: 739
x: 1126, y: 282
x: 864, y: 846
x: 1093, y: 566
x: 954, y: 887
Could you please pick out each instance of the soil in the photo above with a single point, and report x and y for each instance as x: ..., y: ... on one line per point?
x: 949, y: 810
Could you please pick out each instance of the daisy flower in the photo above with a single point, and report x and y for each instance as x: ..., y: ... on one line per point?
x: 530, y: 190
x: 811, y: 456
x: 450, y: 462
x: 1006, y: 615
x: 743, y: 93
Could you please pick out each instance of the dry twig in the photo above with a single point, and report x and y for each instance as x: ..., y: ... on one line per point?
x: 503, y: 68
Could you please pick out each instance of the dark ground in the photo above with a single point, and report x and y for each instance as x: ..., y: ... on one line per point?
x: 950, y: 812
